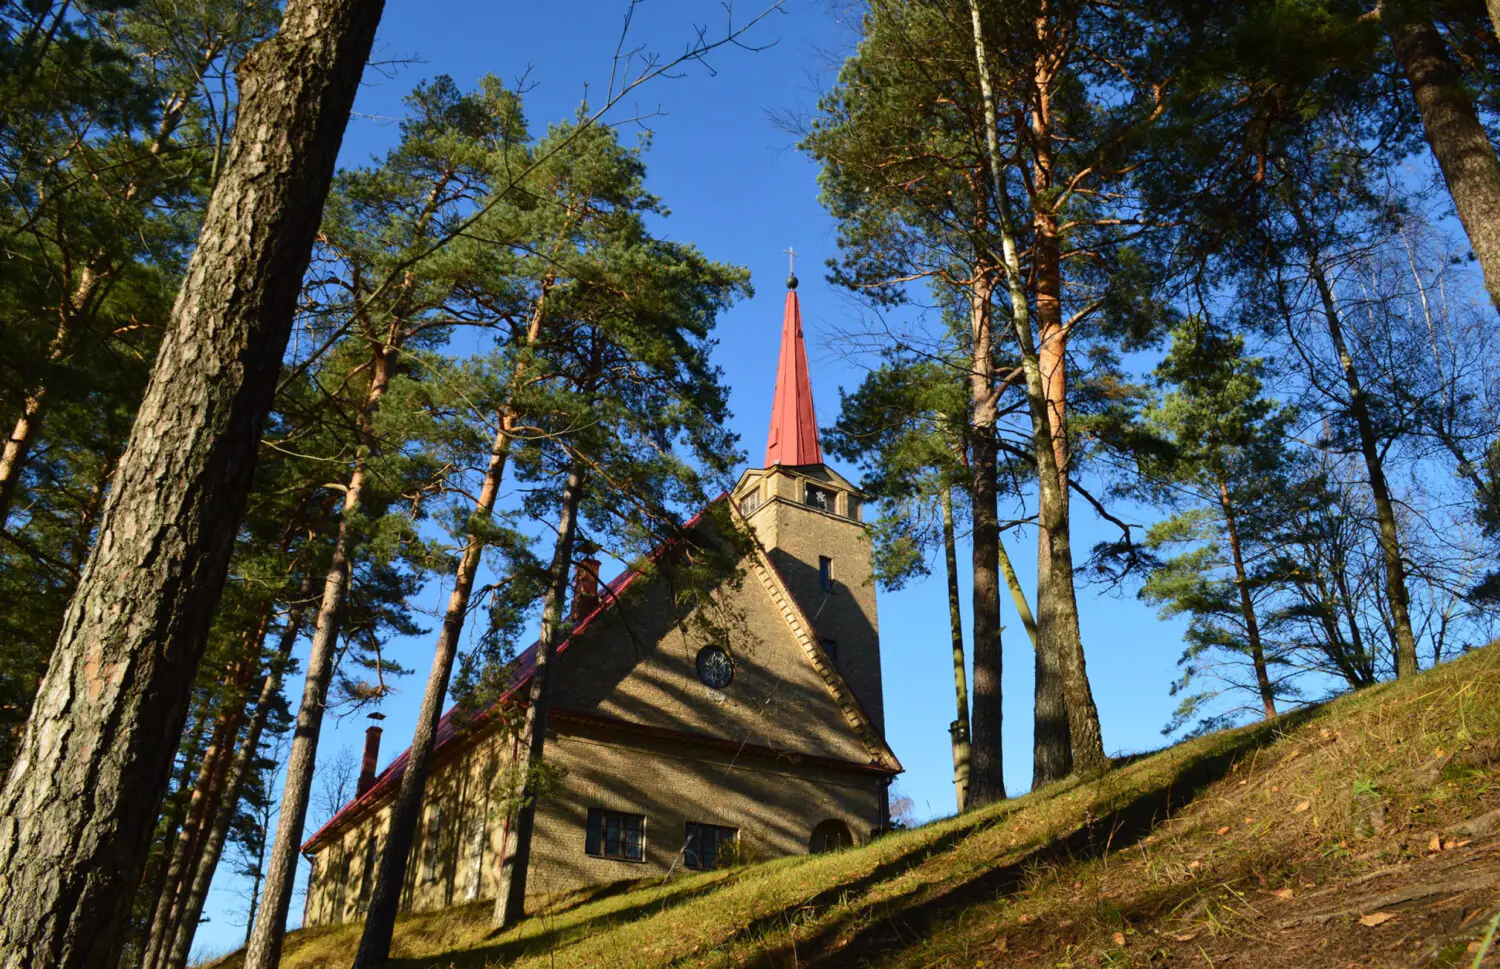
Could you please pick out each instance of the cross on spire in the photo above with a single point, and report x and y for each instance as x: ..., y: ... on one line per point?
x: 791, y: 267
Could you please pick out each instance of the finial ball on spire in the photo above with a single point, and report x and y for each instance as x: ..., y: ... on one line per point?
x: 791, y: 282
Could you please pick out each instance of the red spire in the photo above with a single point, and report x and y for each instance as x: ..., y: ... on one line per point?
x: 794, y: 428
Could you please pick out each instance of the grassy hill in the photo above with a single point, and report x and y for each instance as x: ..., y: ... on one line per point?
x: 1365, y: 832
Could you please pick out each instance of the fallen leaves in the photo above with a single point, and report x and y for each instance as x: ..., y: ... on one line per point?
x: 1224, y: 830
x: 1118, y: 938
x: 1283, y: 893
x: 1375, y: 918
x: 1301, y: 806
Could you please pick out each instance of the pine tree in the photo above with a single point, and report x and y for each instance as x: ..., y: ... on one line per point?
x: 1224, y: 467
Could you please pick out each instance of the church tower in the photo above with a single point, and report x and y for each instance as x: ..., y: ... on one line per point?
x: 809, y: 518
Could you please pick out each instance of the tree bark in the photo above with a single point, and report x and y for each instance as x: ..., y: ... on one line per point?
x: 385, y: 899
x: 79, y: 806
x: 1064, y: 669
x: 1247, y: 606
x: 1369, y: 446
x: 960, y: 728
x: 510, y: 902
x: 1458, y: 141
x: 185, y: 924
x: 264, y: 950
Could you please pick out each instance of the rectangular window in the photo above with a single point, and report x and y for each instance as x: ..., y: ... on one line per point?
x: 709, y: 846
x: 750, y: 502
x: 825, y: 573
x: 612, y: 834
x: 831, y: 647
x: 430, y: 844
x: 853, y: 504
x: 819, y: 498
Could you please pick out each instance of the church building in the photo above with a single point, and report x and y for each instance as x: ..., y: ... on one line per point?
x: 674, y: 749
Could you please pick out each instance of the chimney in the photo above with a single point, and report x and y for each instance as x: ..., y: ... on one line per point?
x: 372, y: 756
x: 585, y: 588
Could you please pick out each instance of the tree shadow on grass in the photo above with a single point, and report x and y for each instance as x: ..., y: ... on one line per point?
x: 504, y: 951
x: 838, y: 944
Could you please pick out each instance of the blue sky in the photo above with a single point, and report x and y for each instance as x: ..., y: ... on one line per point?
x: 737, y: 187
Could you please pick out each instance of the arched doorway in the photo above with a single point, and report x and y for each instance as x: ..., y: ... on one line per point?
x: 830, y: 835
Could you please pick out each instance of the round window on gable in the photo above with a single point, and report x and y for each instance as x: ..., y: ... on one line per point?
x: 715, y: 667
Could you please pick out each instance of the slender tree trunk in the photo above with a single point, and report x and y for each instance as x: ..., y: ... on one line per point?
x: 153, y: 886
x: 23, y: 433
x: 1369, y: 446
x: 264, y: 950
x: 213, y: 776
x: 1458, y: 140
x: 385, y: 899
x: 960, y: 727
x: 510, y: 903
x: 79, y: 806
x: 188, y: 836
x: 185, y: 924
x: 1247, y: 606
x: 1017, y: 594
x: 1494, y: 8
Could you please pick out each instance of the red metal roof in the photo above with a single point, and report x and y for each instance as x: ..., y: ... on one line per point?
x: 794, y: 427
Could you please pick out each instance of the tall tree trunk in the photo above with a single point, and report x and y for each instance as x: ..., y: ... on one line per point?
x: 986, y: 770
x: 510, y: 903
x: 188, y: 836
x: 986, y: 757
x: 1457, y: 139
x: 264, y: 950
x: 79, y: 806
x: 385, y: 898
x: 213, y: 776
x: 1247, y: 606
x: 185, y: 922
x: 153, y: 886
x: 960, y: 727
x: 1062, y: 638
x: 1369, y: 446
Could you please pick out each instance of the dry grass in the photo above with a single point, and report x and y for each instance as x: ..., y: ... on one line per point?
x: 1263, y: 847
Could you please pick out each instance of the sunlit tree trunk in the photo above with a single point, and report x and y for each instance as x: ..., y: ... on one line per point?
x: 1463, y: 151
x: 185, y: 923
x: 1063, y: 668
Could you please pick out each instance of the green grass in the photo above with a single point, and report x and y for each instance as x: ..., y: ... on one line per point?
x: 1176, y: 857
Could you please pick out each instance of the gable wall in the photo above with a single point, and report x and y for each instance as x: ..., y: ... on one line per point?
x: 639, y: 665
